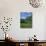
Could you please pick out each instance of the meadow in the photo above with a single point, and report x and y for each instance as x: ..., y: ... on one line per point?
x: 26, y: 23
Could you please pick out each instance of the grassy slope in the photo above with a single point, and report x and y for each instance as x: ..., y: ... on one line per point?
x: 26, y: 23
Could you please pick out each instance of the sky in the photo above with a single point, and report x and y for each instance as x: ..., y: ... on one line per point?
x: 23, y: 15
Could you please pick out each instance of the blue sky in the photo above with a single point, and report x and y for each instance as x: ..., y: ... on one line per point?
x: 23, y: 15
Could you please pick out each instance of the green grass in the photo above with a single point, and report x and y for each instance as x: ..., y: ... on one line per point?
x: 26, y: 25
